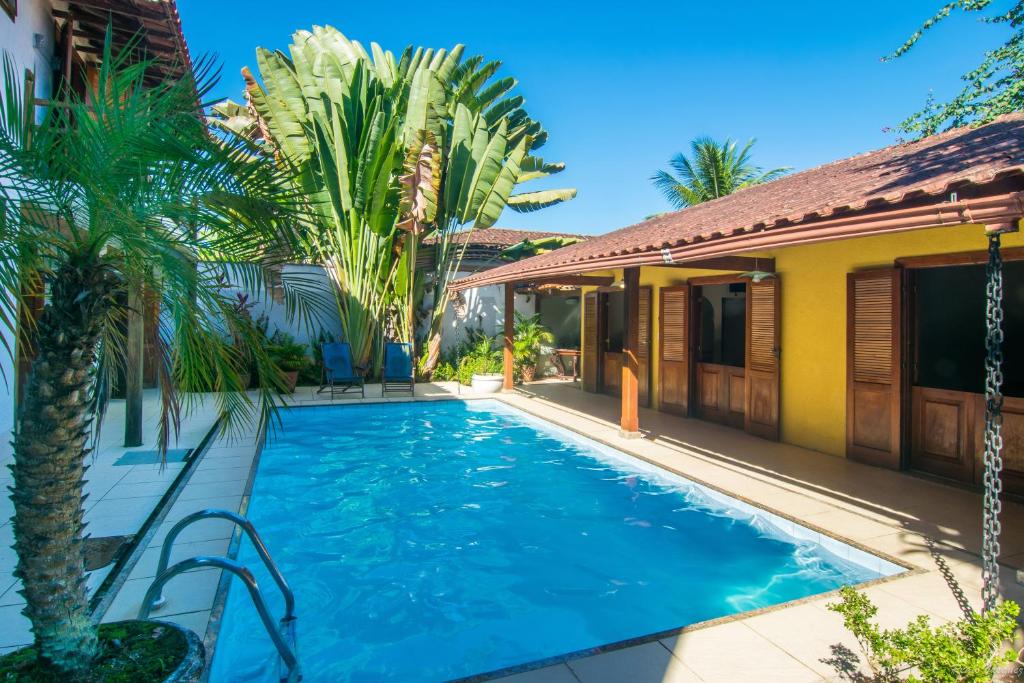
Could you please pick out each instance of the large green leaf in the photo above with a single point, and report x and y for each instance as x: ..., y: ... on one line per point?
x: 497, y: 197
x: 542, y: 199
x: 535, y: 167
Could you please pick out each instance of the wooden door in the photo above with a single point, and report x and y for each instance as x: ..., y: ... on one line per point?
x: 1013, y: 443
x: 942, y: 431
x: 591, y: 357
x: 873, y: 372
x: 674, y: 349
x: 611, y: 372
x: 644, y: 348
x: 712, y: 392
x: 761, y: 396
x: 720, y: 393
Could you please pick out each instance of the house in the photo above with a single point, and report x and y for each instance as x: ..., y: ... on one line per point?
x: 59, y: 44
x: 481, y: 307
x: 841, y: 308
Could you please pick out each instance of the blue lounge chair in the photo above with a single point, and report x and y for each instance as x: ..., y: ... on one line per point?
x: 339, y: 372
x: 397, y: 375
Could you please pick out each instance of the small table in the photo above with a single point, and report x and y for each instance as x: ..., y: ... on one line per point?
x: 571, y: 356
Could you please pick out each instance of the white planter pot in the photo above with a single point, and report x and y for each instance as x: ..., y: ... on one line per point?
x: 487, y: 384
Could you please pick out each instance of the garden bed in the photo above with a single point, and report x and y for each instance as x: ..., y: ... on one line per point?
x: 130, y: 652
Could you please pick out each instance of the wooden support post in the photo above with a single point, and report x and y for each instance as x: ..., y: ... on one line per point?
x: 510, y: 319
x: 133, y: 369
x: 30, y: 309
x: 630, y: 424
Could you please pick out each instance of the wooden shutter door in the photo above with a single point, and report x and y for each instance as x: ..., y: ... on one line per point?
x: 873, y: 376
x: 761, y: 409
x: 590, y: 358
x: 644, y: 348
x: 674, y: 344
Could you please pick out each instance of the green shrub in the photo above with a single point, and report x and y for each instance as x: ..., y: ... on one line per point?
x: 288, y: 354
x: 481, y: 357
x: 967, y: 651
x: 530, y: 337
x: 444, y: 372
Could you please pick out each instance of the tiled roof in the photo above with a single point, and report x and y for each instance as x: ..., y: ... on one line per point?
x: 892, y: 177
x: 505, y: 237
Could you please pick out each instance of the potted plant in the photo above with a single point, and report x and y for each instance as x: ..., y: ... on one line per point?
x: 530, y: 337
x: 129, y: 651
x: 480, y: 367
x: 290, y: 358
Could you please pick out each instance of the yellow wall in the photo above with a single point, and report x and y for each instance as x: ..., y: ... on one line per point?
x: 813, y: 279
x: 813, y: 307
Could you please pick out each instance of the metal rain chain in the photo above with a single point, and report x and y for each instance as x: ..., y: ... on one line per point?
x: 993, y: 424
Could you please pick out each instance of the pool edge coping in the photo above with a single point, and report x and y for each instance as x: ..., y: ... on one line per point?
x: 220, y: 597
x: 108, y: 590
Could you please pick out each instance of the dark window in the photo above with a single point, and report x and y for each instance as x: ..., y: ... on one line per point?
x: 950, y: 328
x: 723, y: 324
x: 734, y: 332
x: 616, y: 321
x: 561, y: 315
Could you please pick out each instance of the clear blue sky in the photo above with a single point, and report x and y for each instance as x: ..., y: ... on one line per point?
x: 621, y: 87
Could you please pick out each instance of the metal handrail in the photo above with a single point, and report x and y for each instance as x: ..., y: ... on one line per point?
x: 283, y: 648
x: 250, y: 530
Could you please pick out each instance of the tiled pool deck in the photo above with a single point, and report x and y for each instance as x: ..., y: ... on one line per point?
x: 930, y: 527
x: 121, y: 497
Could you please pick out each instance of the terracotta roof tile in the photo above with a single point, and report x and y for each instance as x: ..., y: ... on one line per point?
x: 890, y: 176
x: 505, y: 237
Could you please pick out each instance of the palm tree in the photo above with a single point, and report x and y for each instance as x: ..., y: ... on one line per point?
x: 121, y: 191
x: 713, y: 169
x: 483, y: 140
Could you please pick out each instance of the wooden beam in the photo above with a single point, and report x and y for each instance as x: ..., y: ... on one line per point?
x: 571, y: 281
x: 630, y: 418
x: 69, y: 51
x: 98, y: 23
x: 148, y: 37
x: 133, y: 370
x: 30, y: 309
x: 741, y: 263
x: 128, y: 9
x: 960, y: 258
x: 510, y: 318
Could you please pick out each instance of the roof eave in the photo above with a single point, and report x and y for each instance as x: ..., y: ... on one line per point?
x: 997, y: 211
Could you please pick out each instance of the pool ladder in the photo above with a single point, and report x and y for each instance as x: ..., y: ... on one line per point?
x: 282, y: 634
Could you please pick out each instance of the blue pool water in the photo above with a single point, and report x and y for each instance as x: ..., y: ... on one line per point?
x: 430, y: 541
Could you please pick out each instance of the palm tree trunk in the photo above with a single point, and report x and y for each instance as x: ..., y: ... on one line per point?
x: 50, y: 447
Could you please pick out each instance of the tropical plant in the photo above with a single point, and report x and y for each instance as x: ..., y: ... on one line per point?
x: 442, y: 113
x: 444, y: 372
x: 541, y: 245
x: 120, y: 190
x: 993, y: 88
x: 287, y: 354
x: 482, y: 355
x: 528, y: 340
x: 964, y: 651
x: 713, y: 169
x: 488, y: 151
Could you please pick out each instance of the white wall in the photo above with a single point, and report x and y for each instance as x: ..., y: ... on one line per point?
x: 484, y: 309
x: 311, y: 279
x: 17, y: 40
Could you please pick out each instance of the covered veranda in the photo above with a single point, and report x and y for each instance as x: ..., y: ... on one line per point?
x: 822, y: 265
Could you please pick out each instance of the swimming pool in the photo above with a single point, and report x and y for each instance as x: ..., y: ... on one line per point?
x: 430, y: 541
